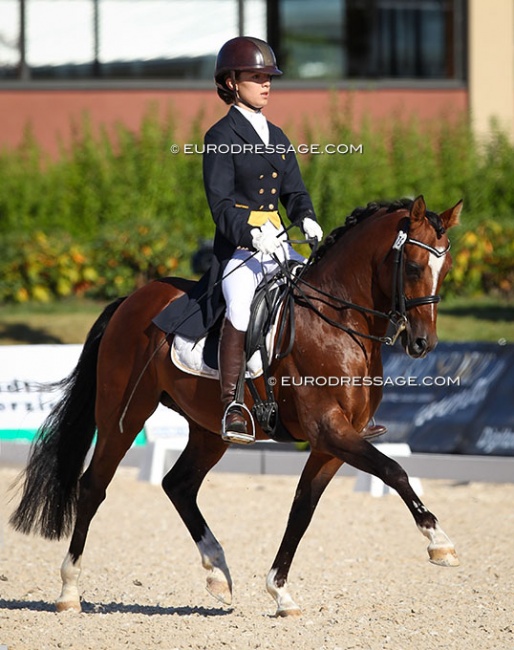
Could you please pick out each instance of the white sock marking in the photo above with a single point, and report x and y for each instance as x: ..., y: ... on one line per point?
x: 70, y: 573
x: 280, y: 594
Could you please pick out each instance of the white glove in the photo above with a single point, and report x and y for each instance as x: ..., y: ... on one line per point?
x: 265, y: 242
x: 312, y: 229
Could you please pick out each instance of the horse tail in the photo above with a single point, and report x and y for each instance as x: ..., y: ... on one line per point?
x: 50, y: 490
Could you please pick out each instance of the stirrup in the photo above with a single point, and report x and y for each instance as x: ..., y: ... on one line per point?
x: 374, y: 430
x: 234, y: 436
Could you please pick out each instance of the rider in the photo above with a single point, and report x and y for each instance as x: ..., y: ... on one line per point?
x: 248, y: 167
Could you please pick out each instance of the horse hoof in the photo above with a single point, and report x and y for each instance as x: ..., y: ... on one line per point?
x: 288, y: 613
x: 220, y: 590
x: 443, y: 556
x: 68, y: 606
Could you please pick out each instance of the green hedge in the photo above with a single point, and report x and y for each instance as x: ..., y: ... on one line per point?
x: 113, y: 212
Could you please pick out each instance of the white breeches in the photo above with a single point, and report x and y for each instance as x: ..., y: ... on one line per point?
x: 242, y: 276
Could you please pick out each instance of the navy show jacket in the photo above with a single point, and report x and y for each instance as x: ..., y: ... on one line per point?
x: 241, y: 175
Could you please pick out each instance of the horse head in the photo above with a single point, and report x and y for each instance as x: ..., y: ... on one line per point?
x: 421, y: 260
x: 382, y: 271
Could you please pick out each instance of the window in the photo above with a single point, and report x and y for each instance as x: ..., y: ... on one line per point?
x: 419, y: 39
x: 364, y: 39
x: 311, y: 45
x: 9, y: 41
x: 179, y: 39
x: 66, y: 39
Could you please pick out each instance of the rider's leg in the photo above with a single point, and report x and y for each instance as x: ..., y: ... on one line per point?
x: 240, y: 279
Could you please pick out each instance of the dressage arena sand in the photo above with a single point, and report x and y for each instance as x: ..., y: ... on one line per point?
x: 361, y: 574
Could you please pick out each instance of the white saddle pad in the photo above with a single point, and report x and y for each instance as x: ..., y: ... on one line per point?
x: 187, y: 355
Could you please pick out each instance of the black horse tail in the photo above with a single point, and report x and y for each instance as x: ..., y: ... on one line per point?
x: 50, y: 490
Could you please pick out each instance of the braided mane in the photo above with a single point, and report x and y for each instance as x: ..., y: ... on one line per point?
x: 360, y: 214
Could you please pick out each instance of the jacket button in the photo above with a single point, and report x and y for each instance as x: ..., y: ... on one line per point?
x: 261, y: 207
x: 273, y: 190
x: 261, y: 176
x: 261, y: 191
x: 271, y: 206
x: 274, y: 175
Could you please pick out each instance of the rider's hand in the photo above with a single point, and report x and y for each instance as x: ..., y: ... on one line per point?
x: 312, y: 229
x: 265, y: 242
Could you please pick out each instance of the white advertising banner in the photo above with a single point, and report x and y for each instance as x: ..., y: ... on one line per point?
x: 24, y: 369
x: 25, y: 400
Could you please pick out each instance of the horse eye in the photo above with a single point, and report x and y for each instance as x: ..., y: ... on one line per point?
x: 413, y: 270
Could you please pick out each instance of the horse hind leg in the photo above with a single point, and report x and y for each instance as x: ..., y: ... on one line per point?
x: 110, y: 449
x: 91, y: 495
x: 92, y: 490
x: 317, y: 474
x: 182, y: 484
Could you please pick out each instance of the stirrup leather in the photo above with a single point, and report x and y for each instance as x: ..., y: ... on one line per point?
x: 235, y: 436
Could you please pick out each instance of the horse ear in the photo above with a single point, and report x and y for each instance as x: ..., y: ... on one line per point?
x: 450, y: 217
x: 418, y: 210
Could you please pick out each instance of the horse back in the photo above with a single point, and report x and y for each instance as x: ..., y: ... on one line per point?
x: 135, y: 314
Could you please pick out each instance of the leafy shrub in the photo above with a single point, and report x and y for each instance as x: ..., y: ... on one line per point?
x: 115, y: 211
x: 41, y: 268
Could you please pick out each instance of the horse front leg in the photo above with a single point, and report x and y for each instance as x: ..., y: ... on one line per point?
x: 181, y: 484
x: 340, y: 439
x: 317, y: 474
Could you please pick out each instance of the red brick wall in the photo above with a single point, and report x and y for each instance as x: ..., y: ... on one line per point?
x: 51, y: 112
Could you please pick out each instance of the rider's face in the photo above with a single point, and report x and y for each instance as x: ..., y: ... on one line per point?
x: 254, y: 88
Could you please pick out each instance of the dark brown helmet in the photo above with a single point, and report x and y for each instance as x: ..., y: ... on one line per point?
x: 240, y: 54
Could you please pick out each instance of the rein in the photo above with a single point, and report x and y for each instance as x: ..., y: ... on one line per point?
x: 400, y: 305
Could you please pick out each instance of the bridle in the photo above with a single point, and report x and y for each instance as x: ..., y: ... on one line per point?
x: 400, y: 305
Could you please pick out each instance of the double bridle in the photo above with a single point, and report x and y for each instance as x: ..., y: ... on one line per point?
x: 400, y: 305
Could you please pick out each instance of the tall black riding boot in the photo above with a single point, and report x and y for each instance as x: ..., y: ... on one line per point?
x: 231, y: 359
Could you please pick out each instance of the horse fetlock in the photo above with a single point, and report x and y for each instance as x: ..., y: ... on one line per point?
x: 70, y: 573
x: 286, y: 607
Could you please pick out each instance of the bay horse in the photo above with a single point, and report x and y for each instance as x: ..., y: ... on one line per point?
x: 385, y: 266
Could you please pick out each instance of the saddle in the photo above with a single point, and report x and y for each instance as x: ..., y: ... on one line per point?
x: 271, y: 311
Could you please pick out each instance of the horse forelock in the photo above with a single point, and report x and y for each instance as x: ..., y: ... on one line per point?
x: 360, y: 214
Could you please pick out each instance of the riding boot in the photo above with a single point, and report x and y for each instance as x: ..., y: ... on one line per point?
x: 231, y: 359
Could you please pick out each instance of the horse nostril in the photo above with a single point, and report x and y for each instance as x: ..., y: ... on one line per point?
x: 421, y: 345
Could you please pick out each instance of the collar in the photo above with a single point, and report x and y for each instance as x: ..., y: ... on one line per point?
x: 258, y: 121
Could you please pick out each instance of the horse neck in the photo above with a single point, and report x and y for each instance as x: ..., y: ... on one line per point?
x: 348, y: 271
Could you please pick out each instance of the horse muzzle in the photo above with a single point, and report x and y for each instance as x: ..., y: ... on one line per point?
x: 417, y: 345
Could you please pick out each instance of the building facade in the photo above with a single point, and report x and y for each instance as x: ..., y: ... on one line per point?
x: 113, y: 59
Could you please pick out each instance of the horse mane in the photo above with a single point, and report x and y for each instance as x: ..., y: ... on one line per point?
x: 361, y: 213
